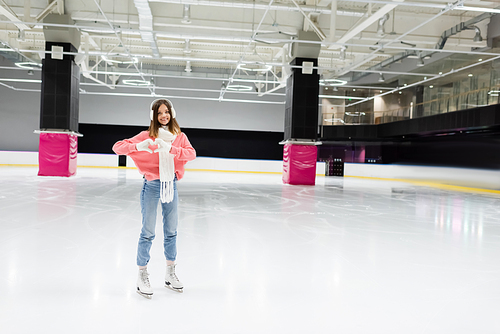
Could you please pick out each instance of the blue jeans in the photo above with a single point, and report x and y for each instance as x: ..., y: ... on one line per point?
x: 150, y: 196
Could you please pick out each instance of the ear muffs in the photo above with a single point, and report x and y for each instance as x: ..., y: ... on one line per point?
x: 172, y: 110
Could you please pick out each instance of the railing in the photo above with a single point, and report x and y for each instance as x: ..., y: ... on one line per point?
x: 442, y: 101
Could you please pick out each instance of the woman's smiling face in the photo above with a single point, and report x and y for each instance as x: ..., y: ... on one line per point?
x: 163, y: 115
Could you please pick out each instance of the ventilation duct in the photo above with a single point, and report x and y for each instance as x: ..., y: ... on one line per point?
x: 306, y: 50
x: 146, y: 25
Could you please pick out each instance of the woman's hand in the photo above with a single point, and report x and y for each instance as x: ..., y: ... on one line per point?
x: 144, y: 145
x: 163, y: 146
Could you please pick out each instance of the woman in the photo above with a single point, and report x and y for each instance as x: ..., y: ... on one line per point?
x: 160, y: 155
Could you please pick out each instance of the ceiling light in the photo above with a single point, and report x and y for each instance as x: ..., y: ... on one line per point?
x: 477, y: 38
x: 440, y: 73
x: 478, y: 9
x: 136, y: 82
x: 186, y: 15
x: 381, y: 78
x: 431, y: 86
x: 30, y: 72
x: 238, y: 88
x: 342, y: 53
x: 332, y: 82
x: 187, y: 46
x: 381, y: 27
x: 420, y: 62
x: 470, y: 74
x: 188, y: 67
x: 133, y: 61
x: 28, y: 65
x: 492, y: 92
x: 254, y: 67
x: 480, y: 59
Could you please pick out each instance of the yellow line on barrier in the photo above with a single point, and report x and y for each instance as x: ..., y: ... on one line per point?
x: 18, y: 165
x: 228, y: 171
x: 112, y: 167
x: 187, y: 169
x: 433, y: 184
x: 236, y: 171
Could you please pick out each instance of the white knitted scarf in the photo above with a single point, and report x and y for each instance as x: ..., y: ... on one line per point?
x: 167, y: 168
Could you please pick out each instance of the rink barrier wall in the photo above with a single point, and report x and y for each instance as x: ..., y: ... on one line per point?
x: 90, y: 160
x: 460, y: 177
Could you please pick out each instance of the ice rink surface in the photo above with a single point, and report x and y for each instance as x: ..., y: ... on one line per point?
x: 255, y: 256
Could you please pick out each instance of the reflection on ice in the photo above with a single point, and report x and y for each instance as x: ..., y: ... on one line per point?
x: 256, y: 256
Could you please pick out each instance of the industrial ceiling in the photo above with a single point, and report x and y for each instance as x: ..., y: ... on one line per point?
x: 244, y: 47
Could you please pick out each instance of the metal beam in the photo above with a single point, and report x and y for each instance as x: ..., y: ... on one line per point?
x: 365, y: 24
x: 6, y: 11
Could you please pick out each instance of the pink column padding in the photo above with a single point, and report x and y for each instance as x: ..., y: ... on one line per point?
x: 299, y: 164
x: 57, y: 154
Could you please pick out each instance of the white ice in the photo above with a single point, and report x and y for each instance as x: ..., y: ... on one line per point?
x: 255, y: 256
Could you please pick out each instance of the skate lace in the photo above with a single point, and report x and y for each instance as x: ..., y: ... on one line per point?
x: 145, y: 278
x: 173, y: 276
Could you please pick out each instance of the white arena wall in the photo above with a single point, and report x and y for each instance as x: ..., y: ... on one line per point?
x: 200, y: 163
x: 466, y: 177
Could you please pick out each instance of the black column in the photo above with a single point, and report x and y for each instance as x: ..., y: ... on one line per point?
x: 301, y: 106
x: 60, y: 90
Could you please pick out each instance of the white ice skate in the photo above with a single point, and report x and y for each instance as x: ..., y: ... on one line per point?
x: 143, y: 286
x: 171, y: 280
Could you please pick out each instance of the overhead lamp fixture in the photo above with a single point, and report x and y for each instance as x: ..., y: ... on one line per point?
x: 332, y: 82
x: 254, y: 67
x: 186, y: 15
x: 28, y: 65
x: 239, y: 88
x: 420, y: 62
x: 30, y: 72
x: 381, y: 78
x: 477, y: 38
x: 134, y: 60
x: 187, y: 47
x: 381, y: 27
x: 342, y: 53
x: 478, y: 9
x: 188, y: 68
x: 136, y: 82
x: 493, y: 92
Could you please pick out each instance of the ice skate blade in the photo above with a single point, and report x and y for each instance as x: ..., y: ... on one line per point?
x: 148, y: 296
x: 173, y: 289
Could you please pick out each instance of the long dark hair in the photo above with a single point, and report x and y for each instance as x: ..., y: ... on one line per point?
x: 172, y: 125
